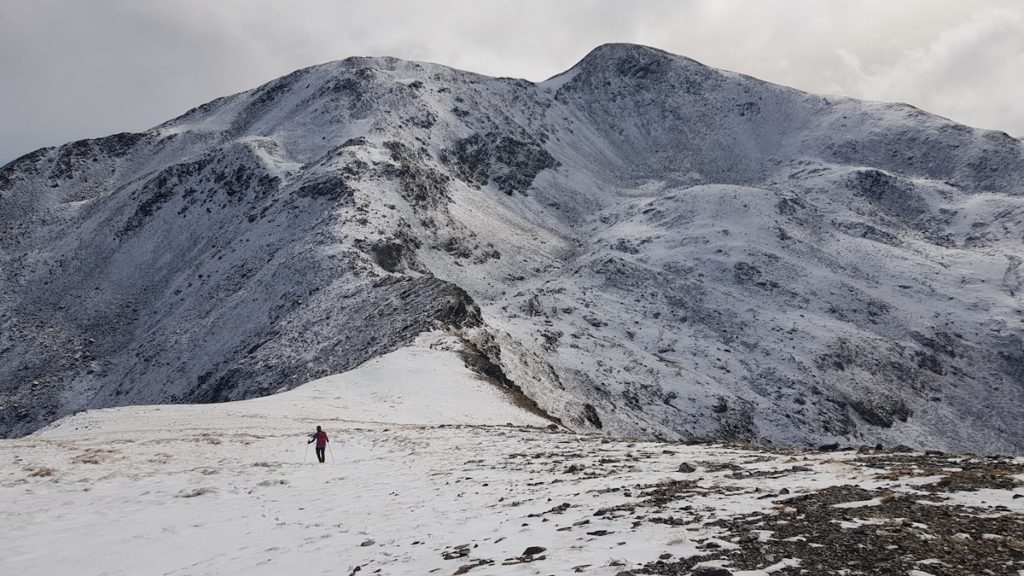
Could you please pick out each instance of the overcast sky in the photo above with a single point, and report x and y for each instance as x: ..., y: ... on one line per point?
x: 77, y: 69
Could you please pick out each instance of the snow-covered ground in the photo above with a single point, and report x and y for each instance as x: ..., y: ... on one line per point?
x: 434, y: 470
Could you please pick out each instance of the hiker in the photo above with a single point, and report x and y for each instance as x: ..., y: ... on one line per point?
x: 321, y: 443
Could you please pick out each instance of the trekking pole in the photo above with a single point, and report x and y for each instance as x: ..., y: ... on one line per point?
x: 306, y: 453
x: 333, y: 461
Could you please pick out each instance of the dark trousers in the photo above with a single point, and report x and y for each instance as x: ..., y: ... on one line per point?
x: 320, y: 453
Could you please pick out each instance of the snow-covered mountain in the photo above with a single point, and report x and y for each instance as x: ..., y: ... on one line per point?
x: 642, y: 244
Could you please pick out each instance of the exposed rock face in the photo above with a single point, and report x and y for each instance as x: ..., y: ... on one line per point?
x: 642, y: 244
x: 512, y: 164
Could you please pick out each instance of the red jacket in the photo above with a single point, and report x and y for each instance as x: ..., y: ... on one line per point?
x: 321, y: 439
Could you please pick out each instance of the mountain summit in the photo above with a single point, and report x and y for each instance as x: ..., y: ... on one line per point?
x: 642, y: 244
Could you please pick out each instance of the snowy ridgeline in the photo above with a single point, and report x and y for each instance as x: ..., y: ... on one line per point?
x: 432, y: 470
x: 642, y: 245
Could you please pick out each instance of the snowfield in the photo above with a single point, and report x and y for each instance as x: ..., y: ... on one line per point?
x: 435, y: 470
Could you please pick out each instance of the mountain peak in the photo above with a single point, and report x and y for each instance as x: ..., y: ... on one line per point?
x: 632, y: 61
x: 620, y: 49
x: 619, y: 53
